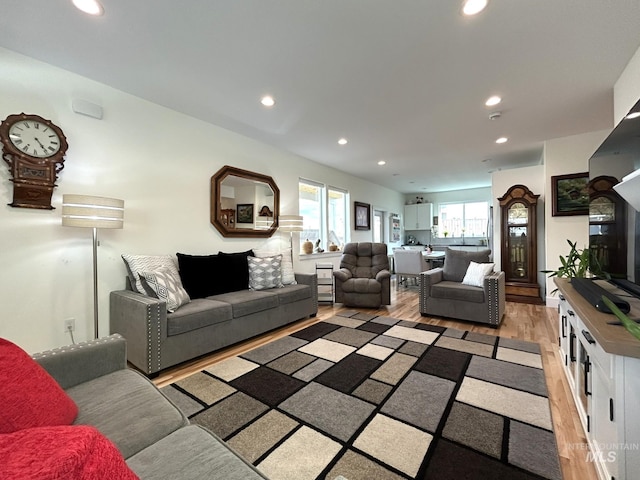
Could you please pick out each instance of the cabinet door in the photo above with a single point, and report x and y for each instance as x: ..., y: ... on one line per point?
x: 410, y: 217
x: 604, y: 427
x: 425, y: 216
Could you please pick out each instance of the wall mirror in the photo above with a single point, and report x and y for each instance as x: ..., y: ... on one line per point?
x: 244, y: 203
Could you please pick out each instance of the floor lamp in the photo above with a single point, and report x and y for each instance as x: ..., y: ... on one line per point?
x: 92, y: 212
x: 290, y: 224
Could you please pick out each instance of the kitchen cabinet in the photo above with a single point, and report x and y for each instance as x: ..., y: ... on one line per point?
x: 602, y: 364
x: 418, y: 216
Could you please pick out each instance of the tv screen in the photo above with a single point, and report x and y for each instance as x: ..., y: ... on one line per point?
x: 614, y: 225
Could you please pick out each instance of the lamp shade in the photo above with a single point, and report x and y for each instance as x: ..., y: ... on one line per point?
x: 92, y: 212
x: 290, y: 223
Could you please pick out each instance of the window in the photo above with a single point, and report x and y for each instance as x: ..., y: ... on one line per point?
x: 463, y: 219
x: 378, y: 226
x: 325, y: 213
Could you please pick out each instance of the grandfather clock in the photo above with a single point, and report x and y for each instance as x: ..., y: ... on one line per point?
x: 518, y: 242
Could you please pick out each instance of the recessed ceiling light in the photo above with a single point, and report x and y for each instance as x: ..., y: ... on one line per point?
x: 92, y: 7
x: 342, y: 141
x: 633, y: 115
x: 381, y: 162
x: 491, y: 101
x: 502, y: 140
x: 473, y: 7
x: 267, y: 101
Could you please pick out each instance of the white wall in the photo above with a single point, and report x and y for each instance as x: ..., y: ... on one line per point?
x: 564, y: 156
x: 160, y: 162
x: 626, y: 91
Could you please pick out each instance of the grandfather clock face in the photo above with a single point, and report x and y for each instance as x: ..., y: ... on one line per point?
x: 34, y: 149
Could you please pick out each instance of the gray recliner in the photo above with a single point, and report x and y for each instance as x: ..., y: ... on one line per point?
x: 363, y: 279
x: 443, y: 294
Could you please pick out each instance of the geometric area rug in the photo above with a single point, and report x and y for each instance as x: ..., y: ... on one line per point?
x: 371, y: 397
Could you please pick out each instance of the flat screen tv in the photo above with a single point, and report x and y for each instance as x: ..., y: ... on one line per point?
x: 614, y: 224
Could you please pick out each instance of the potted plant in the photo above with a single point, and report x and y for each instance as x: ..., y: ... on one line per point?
x: 574, y: 265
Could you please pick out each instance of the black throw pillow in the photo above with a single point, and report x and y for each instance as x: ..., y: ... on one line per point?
x: 237, y: 270
x: 202, y: 275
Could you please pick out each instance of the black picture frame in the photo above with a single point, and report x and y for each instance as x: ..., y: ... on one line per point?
x: 362, y: 216
x: 569, y: 194
x: 244, y: 213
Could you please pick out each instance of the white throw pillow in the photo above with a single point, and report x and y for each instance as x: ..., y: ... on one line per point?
x: 147, y: 263
x: 265, y: 272
x: 476, y: 273
x: 167, y: 287
x: 288, y: 275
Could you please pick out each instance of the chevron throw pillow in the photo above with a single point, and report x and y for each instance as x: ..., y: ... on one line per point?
x: 265, y: 272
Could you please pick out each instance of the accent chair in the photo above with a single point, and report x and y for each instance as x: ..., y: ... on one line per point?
x: 443, y: 293
x: 363, y: 279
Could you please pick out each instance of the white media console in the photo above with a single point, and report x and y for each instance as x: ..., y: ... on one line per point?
x: 602, y: 363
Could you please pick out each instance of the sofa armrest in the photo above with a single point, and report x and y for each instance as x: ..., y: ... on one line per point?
x: 495, y: 293
x: 426, y: 280
x: 342, y: 274
x: 76, y: 364
x: 142, y: 320
x: 310, y: 279
x: 382, y: 274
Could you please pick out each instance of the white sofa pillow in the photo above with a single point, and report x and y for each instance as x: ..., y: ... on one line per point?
x: 476, y: 273
x: 147, y: 263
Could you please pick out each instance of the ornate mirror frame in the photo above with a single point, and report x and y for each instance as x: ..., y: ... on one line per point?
x: 224, y: 220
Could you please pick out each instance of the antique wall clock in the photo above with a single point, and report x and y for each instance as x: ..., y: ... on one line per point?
x: 34, y: 149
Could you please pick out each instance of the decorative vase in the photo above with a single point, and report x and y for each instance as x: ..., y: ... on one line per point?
x: 307, y: 246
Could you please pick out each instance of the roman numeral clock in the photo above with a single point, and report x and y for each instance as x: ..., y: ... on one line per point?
x: 34, y: 149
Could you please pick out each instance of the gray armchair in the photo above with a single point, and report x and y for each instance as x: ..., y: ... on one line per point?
x: 363, y: 279
x: 443, y: 294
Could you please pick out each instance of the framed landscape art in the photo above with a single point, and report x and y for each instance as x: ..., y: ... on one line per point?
x: 245, y: 213
x: 569, y: 194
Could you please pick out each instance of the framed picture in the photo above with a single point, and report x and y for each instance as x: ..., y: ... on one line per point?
x: 569, y: 194
x: 244, y: 213
x: 362, y: 215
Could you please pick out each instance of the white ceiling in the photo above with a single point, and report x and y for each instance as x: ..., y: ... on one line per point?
x: 404, y: 80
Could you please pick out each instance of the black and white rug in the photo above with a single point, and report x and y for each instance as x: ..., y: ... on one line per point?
x: 370, y: 397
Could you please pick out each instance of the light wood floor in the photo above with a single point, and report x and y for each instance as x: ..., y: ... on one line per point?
x: 534, y: 323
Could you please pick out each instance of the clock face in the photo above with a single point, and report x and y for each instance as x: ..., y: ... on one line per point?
x: 34, y: 138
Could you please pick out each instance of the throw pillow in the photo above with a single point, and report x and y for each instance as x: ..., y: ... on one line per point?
x: 456, y: 263
x: 78, y: 452
x: 146, y: 263
x: 167, y: 287
x: 202, y: 275
x: 288, y: 275
x: 236, y: 270
x: 476, y: 273
x: 29, y: 396
x: 265, y: 272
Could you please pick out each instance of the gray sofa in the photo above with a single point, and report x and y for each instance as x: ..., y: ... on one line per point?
x: 153, y: 435
x: 157, y: 340
x: 443, y: 294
